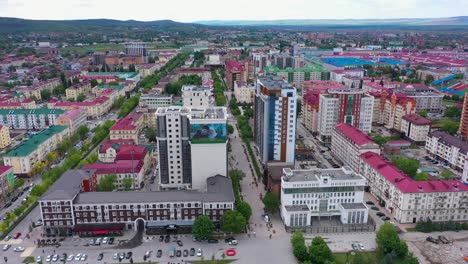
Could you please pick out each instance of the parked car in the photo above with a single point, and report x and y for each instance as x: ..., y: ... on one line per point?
x: 385, y: 218
x: 375, y: 208
x: 63, y: 257
x: 121, y: 255
x: 361, y: 247
x: 444, y: 240
x: 78, y: 257
x: 185, y: 253
x: 48, y: 258
x: 354, y: 246
x: 129, y: 255
x: 233, y: 242
x: 212, y: 241
x: 7, y: 205
x: 380, y: 214
x: 199, y: 252
x: 167, y: 239
x: 111, y: 241
x: 6, y: 247
x: 7, y: 238
x: 70, y: 258
x: 100, y: 256
x: 178, y: 253
x: 192, y: 252
x: 179, y: 242
x: 84, y: 257
x: 18, y: 249
x: 370, y: 203
x: 39, y: 259
x: 17, y: 235
x: 432, y: 240
x: 55, y: 258
x: 105, y: 240
x: 147, y: 254
x: 115, y: 256
x: 227, y: 240
x: 161, y: 238
x: 159, y: 253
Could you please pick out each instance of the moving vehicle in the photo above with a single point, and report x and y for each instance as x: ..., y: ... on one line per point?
x: 6, y: 247
x: 17, y: 235
x: 100, y: 256
x: 18, y: 249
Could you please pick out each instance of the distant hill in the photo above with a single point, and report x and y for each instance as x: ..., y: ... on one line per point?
x: 455, y: 21
x: 16, y: 25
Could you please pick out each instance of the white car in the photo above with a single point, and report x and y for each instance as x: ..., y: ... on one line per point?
x: 361, y: 247
x: 48, y: 258
x: 39, y: 259
x: 70, y: 257
x: 55, y: 258
x: 19, y: 249
x: 233, y: 242
x: 84, y: 257
x: 6, y: 247
x: 78, y: 257
x: 199, y: 252
x: 116, y: 256
x: 105, y: 240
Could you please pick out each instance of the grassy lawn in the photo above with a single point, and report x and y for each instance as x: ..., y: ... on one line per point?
x: 448, y: 103
x: 97, y: 47
x: 218, y: 261
x: 367, y: 257
x: 29, y: 259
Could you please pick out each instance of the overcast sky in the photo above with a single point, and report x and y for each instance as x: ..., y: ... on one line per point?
x: 194, y: 10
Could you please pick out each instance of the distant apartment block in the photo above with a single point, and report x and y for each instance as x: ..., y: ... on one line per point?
x: 463, y: 130
x: 243, y: 92
x: 415, y: 127
x: 76, y: 90
x: 128, y: 127
x: 137, y: 48
x: 153, y: 100
x: 447, y: 148
x: 5, y: 139
x: 196, y: 96
x: 7, y: 182
x: 33, y: 119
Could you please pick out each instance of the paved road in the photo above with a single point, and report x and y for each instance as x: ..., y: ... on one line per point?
x: 310, y: 141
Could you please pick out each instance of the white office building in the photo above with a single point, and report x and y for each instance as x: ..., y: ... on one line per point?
x: 308, y: 195
x: 192, y: 144
x: 275, y: 119
x: 196, y: 96
x: 155, y: 100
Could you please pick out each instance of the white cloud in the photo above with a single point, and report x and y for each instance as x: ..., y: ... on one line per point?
x: 191, y: 10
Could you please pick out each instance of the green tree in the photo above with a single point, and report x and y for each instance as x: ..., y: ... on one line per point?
x: 406, y: 165
x: 453, y: 112
x: 203, y: 228
x: 447, y: 175
x: 107, y: 183
x: 421, y: 177
x: 59, y: 90
x: 94, y: 83
x: 82, y: 131
x: 388, y: 241
x: 450, y: 126
x: 319, y: 252
x: 233, y: 222
x: 429, y: 79
x: 271, y: 203
x: 127, y: 184
x: 245, y: 209
x: 81, y: 97
x: 51, y: 157
x: 45, y: 95
x: 230, y: 129
x: 150, y: 134
x: 423, y: 113
x: 19, y: 183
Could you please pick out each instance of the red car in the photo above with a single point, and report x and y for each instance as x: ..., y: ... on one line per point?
x: 17, y: 235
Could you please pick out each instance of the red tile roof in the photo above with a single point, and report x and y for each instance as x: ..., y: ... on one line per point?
x: 117, y: 167
x: 4, y: 169
x: 357, y: 136
x: 114, y: 143
x: 126, y: 123
x: 417, y: 119
x: 404, y: 182
x: 233, y: 65
x: 129, y: 152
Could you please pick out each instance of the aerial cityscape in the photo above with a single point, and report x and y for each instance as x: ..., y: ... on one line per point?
x: 266, y: 132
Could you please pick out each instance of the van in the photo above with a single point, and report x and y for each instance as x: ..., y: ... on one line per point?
x: 172, y: 252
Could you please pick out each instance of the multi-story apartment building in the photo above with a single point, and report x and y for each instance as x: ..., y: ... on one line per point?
x: 196, y: 96
x: 24, y: 156
x: 154, y: 100
x: 68, y: 209
x: 94, y: 109
x: 192, y: 145
x: 298, y: 76
x: 128, y: 127
x: 73, y: 119
x: 283, y: 61
x: 463, y: 130
x: 348, y: 143
x: 5, y: 139
x: 236, y: 72
x: 33, y: 119
x: 410, y: 201
x: 415, y: 127
x: 243, y: 92
x: 148, y: 69
x: 259, y: 62
x: 337, y: 75
x: 7, y: 182
x: 349, y: 106
x: 389, y: 108
x: 307, y: 195
x: 24, y: 104
x: 426, y: 99
x: 445, y: 147
x: 137, y: 48
x: 275, y: 119
x: 76, y: 90
x: 34, y: 91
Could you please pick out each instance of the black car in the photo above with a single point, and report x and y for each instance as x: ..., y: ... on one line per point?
x: 178, y: 253
x: 179, y: 242
x: 25, y: 188
x: 375, y: 208
x: 385, y: 218
x: 380, y: 214
x: 7, y: 205
x: 100, y: 256
x: 159, y: 253
x: 212, y: 241
x: 167, y: 239
x: 111, y: 241
x: 129, y: 255
x: 14, y: 199
x: 161, y: 238
x: 192, y: 252
x: 227, y: 240
x: 370, y: 203
x: 433, y: 240
x: 335, y: 166
x: 185, y: 253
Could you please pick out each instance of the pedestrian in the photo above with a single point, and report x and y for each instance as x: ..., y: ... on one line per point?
x: 270, y: 236
x: 42, y: 251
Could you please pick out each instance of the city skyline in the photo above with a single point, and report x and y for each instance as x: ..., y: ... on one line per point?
x: 243, y: 10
